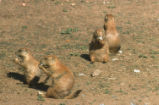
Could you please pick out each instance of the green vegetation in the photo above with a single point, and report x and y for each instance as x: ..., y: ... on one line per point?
x: 69, y: 30
x: 40, y: 98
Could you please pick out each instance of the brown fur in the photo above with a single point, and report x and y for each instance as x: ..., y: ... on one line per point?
x: 30, y: 64
x: 98, y: 48
x: 63, y: 78
x: 112, y: 35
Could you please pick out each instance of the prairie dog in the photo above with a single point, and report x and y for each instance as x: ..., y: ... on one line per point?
x: 30, y: 64
x: 112, y: 35
x: 98, y: 48
x: 62, y: 78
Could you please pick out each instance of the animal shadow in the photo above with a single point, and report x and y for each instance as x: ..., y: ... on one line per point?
x: 34, y: 83
x: 85, y: 56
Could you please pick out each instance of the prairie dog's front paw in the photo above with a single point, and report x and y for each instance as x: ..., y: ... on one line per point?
x: 100, y: 38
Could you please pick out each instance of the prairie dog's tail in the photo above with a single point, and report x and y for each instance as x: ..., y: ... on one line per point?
x: 73, y: 94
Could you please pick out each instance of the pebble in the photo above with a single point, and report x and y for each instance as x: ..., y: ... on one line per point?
x: 40, y: 93
x: 115, y: 59
x: 132, y: 103
x: 111, y: 78
x: 104, y: 2
x: 120, y: 51
x: 24, y: 4
x: 136, y: 70
x: 73, y: 4
x: 81, y: 74
x: 96, y: 73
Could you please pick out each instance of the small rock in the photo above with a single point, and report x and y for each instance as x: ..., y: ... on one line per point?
x: 115, y: 59
x: 24, y: 4
x: 96, y: 73
x: 136, y: 70
x: 83, y: 95
x: 87, y: 1
x: 120, y: 51
x: 101, y: 104
x: 73, y: 4
x: 158, y: 19
x: 40, y: 93
x: 111, y: 78
x: 147, y: 104
x: 132, y: 103
x: 104, y: 2
x: 81, y: 74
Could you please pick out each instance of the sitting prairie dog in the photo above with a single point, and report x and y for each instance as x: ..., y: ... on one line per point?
x: 30, y: 64
x: 62, y: 78
x: 112, y: 35
x: 98, y: 48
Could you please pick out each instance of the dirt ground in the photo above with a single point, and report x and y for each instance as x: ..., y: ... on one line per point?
x: 65, y: 28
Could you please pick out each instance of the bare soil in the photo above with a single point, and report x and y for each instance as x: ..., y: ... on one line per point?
x: 64, y: 28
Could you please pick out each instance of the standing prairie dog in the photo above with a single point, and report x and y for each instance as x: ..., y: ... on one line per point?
x: 62, y: 77
x: 30, y: 64
x: 98, y: 48
x: 112, y: 35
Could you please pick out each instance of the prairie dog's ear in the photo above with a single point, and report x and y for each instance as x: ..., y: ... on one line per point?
x: 109, y: 17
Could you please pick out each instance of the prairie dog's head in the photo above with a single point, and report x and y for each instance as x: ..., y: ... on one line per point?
x: 23, y: 53
x: 109, y: 18
x: 49, y: 60
x: 99, y: 35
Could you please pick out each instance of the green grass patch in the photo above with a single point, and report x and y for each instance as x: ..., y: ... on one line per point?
x: 142, y: 56
x: 111, y: 6
x: 24, y: 27
x: 77, y: 46
x: 107, y: 91
x: 69, y: 30
x: 65, y: 10
x: 152, y: 56
x: 40, y: 98
x: 126, y: 32
x: 2, y: 55
x: 57, y: 2
x: 121, y: 91
x: 154, y: 52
